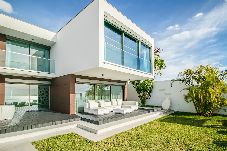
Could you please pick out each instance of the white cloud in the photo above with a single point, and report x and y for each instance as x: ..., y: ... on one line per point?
x: 5, y: 6
x: 198, y: 15
x: 174, y: 27
x: 183, y: 48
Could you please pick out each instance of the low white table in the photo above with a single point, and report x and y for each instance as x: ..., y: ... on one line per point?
x: 123, y: 110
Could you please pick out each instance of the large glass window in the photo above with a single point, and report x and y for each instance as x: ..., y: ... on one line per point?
x: 17, y: 94
x: 144, y: 58
x: 85, y: 91
x: 29, y: 56
x: 17, y: 54
x: 39, y: 58
x: 102, y: 92
x: 123, y: 49
x: 116, y: 92
x: 24, y: 93
x: 130, y: 52
x: 113, y: 44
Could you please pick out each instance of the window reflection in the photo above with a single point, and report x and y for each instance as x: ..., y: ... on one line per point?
x: 24, y: 93
x: 123, y: 49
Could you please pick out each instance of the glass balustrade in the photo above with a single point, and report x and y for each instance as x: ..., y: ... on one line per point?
x: 115, y: 55
x: 123, y: 49
x: 27, y: 62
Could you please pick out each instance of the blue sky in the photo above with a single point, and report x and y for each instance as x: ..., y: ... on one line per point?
x: 191, y: 32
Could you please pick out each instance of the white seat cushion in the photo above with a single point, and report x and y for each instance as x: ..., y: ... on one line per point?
x: 101, y: 103
x: 119, y: 101
x: 114, y: 102
x: 104, y: 103
x: 93, y: 105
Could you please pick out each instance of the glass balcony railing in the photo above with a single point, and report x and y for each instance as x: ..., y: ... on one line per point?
x: 118, y: 56
x: 27, y: 62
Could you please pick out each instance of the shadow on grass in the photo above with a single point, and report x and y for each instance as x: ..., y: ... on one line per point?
x: 221, y: 143
x: 193, y: 120
x: 185, y: 121
x: 223, y: 132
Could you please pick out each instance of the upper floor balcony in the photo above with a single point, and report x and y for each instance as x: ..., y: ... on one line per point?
x: 122, y: 49
x: 26, y: 59
x: 15, y: 60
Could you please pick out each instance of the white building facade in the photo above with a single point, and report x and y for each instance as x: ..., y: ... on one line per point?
x: 92, y: 57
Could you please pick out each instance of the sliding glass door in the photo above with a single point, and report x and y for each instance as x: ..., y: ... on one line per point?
x: 86, y: 91
x: 102, y: 92
x: 116, y: 92
x: 23, y: 93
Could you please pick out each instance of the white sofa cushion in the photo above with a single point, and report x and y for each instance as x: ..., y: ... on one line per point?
x: 93, y: 104
x: 119, y: 101
x: 130, y: 104
x: 103, y: 103
x: 114, y: 102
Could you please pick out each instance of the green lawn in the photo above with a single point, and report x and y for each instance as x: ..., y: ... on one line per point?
x: 179, y: 131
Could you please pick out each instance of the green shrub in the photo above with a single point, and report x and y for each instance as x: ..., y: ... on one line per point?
x: 206, y: 88
x: 143, y: 89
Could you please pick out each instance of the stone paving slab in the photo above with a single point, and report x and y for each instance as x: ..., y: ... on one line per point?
x: 37, y: 119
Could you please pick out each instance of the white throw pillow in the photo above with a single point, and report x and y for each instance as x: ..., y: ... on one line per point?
x: 114, y: 102
x: 102, y: 103
x: 119, y: 101
x: 93, y: 104
x: 108, y: 103
x: 91, y: 101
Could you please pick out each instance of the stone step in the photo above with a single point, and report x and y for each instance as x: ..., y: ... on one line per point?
x: 137, y: 120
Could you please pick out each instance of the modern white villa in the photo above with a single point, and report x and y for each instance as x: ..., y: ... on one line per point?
x: 84, y: 67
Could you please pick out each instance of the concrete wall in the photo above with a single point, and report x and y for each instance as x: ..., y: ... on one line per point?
x: 77, y: 46
x: 163, y: 89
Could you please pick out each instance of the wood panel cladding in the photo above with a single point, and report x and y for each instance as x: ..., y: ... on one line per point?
x: 62, y: 94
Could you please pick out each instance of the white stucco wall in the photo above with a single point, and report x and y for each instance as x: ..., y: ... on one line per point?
x: 163, y: 89
x: 77, y: 46
x: 17, y: 28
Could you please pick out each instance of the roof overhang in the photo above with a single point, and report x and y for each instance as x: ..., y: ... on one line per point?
x: 16, y: 28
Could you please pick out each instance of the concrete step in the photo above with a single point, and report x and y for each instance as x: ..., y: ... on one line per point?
x: 137, y: 120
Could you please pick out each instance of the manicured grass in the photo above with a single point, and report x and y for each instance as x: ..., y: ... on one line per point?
x: 179, y: 131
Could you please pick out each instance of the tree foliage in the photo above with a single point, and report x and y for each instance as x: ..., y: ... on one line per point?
x: 143, y: 89
x: 159, y: 63
x: 206, y: 88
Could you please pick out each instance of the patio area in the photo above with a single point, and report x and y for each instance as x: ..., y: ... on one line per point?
x: 35, y: 119
x: 111, y: 117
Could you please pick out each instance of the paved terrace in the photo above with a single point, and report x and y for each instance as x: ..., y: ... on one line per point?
x: 36, y: 119
x: 111, y: 117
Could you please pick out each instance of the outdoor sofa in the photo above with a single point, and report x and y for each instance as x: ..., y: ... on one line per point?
x: 102, y: 107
